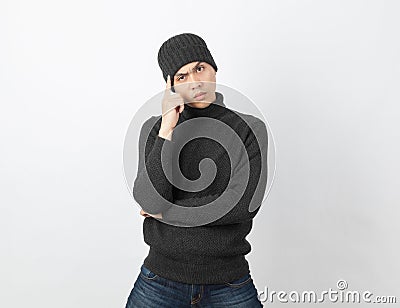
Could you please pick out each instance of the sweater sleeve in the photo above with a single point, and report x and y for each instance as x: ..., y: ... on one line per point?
x: 151, y: 189
x: 252, y: 166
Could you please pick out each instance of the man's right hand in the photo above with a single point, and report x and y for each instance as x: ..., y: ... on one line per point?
x: 145, y: 214
x: 172, y: 105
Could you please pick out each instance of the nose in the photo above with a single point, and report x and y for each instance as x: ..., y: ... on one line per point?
x: 194, y: 81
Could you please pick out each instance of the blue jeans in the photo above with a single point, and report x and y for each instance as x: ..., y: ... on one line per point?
x: 151, y: 290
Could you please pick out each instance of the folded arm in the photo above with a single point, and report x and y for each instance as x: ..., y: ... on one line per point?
x: 151, y: 188
x: 246, y: 188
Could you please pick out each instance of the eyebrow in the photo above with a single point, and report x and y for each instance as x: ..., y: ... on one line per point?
x: 195, y: 67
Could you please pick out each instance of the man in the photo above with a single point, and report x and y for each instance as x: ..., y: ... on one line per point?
x: 200, y: 263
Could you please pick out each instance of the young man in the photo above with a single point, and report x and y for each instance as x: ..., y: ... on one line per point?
x: 200, y: 263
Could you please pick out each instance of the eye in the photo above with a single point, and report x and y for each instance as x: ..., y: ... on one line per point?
x: 200, y: 68
x: 181, y: 77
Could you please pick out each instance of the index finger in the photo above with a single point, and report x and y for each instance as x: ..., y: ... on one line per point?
x: 168, y: 87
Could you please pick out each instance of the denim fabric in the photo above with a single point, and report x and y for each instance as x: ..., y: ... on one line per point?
x: 151, y: 290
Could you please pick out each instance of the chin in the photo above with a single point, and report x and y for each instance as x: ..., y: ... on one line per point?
x: 199, y: 104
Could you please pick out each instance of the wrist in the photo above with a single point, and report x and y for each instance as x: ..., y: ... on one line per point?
x: 165, y: 133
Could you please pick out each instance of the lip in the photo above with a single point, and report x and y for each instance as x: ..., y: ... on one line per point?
x: 200, y: 94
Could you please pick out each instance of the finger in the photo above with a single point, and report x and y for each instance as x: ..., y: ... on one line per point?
x: 172, y: 103
x: 168, y: 83
x: 159, y: 215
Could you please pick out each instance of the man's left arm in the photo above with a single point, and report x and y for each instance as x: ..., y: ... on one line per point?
x: 246, y: 188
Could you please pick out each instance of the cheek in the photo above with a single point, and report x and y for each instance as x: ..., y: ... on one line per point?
x: 211, y: 76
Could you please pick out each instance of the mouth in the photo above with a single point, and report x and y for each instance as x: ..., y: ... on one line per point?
x: 200, y: 95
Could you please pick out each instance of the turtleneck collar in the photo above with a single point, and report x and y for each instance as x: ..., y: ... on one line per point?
x: 214, y: 109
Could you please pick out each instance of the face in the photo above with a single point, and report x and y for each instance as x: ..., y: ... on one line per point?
x: 195, y: 82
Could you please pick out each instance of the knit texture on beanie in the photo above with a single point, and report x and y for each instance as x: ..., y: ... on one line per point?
x: 180, y: 50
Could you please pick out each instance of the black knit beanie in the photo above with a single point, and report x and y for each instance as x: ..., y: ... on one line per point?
x: 180, y: 50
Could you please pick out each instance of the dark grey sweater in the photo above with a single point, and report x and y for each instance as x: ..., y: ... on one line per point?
x: 214, y: 252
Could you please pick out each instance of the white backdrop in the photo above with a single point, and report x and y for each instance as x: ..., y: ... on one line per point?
x: 72, y: 75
